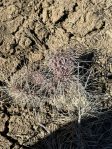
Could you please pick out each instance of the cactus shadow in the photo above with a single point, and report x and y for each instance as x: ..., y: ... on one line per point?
x: 92, y: 133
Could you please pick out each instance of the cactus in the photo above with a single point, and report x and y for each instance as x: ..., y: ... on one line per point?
x: 55, y: 82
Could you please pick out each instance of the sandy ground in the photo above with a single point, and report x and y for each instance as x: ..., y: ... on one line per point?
x: 29, y: 29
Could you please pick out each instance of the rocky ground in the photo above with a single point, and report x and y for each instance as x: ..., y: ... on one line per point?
x: 29, y: 29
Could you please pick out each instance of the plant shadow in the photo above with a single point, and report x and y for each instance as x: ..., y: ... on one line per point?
x: 93, y: 133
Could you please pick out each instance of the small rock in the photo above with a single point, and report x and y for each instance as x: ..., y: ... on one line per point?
x: 3, y: 119
x: 25, y: 42
x: 57, y: 13
x: 4, y: 143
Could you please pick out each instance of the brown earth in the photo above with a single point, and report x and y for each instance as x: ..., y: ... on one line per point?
x: 29, y: 29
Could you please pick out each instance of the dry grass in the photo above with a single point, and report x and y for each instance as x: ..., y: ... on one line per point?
x: 60, y: 83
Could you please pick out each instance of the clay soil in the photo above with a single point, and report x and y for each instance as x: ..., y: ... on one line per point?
x: 29, y: 29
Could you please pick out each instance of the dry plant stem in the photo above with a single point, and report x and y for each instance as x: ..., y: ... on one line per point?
x: 79, y: 110
x: 79, y: 107
x: 87, y: 79
x: 41, y: 125
x: 39, y: 44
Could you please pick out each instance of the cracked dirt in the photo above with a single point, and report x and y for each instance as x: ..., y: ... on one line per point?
x: 28, y: 30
